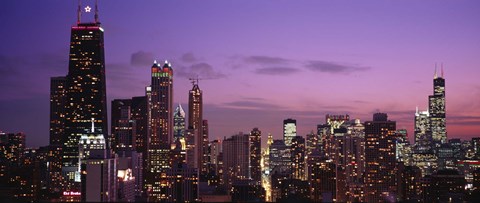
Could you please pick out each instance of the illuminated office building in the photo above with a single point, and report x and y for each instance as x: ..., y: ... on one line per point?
x: 182, y: 184
x: 160, y: 97
x: 255, y: 155
x: 162, y: 104
x: 195, y: 118
x: 123, y: 126
x: 280, y: 158
x: 403, y: 148
x: 98, y: 168
x: 437, y: 110
x: 380, y: 162
x: 409, y: 183
x: 289, y: 131
x: 236, y: 156
x: 204, y: 156
x: 322, y: 178
x: 178, y: 123
x: 57, y: 110
x: 298, y: 157
x: 85, y: 90
x: 423, y: 133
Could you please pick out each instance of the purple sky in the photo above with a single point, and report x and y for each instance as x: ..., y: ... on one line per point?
x: 263, y: 61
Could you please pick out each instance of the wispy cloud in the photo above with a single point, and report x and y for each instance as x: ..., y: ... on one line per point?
x: 250, y: 105
x: 265, y: 60
x: 333, y: 68
x: 188, y: 57
x: 202, y: 70
x: 277, y: 71
x: 142, y: 59
x: 463, y: 120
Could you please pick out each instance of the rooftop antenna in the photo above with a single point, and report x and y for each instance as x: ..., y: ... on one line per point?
x: 79, y: 11
x: 195, y: 80
x: 435, y: 75
x: 96, y: 11
x: 442, y: 70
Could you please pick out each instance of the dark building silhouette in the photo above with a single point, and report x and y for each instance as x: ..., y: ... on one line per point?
x: 409, y: 183
x: 57, y: 110
x: 236, y: 156
x: 195, y: 118
x: 255, y: 155
x: 298, y: 157
x: 123, y: 127
x: 447, y: 185
x: 160, y: 96
x: 322, y: 178
x: 85, y: 91
x: 247, y: 191
x: 380, y: 161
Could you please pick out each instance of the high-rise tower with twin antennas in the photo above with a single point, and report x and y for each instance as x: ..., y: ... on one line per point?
x: 436, y: 104
x: 85, y: 87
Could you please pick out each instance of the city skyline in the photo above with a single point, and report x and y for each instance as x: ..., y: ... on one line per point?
x: 299, y: 66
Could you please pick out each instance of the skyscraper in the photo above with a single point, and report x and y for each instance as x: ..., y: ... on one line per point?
x: 380, y: 182
x: 160, y: 95
x: 57, y: 110
x: 179, y: 123
x: 162, y: 104
x: 298, y: 157
x: 236, y: 155
x: 436, y: 103
x: 85, y: 89
x: 289, y: 130
x: 204, y: 167
x: 195, y: 118
x: 123, y: 126
x: 423, y: 133
x: 255, y: 155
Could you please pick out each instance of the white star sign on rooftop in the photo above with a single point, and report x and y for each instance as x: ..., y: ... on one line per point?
x: 87, y: 9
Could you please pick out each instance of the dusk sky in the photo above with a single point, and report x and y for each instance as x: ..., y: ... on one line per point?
x: 261, y: 61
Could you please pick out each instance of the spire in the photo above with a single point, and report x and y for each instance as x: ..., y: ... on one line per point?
x: 435, y: 76
x: 96, y: 11
x: 442, y: 71
x: 416, y: 110
x: 79, y: 11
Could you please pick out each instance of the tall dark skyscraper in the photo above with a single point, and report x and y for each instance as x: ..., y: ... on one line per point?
x: 139, y: 110
x: 195, y: 117
x: 298, y: 157
x: 255, y: 155
x: 204, y: 167
x: 162, y: 104
x: 380, y: 182
x: 160, y: 95
x: 57, y: 110
x: 123, y: 126
x: 436, y: 103
x: 85, y: 88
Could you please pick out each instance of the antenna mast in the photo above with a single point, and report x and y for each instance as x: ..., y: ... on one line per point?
x: 442, y: 69
x: 79, y: 11
x: 96, y: 11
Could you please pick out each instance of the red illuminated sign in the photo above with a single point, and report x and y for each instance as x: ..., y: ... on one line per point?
x: 71, y: 193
